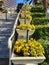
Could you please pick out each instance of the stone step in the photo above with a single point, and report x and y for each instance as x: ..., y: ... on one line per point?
x: 7, y: 26
x: 3, y: 38
x: 5, y: 34
x: 4, y: 52
x: 4, y: 61
x: 3, y: 44
x: 6, y: 31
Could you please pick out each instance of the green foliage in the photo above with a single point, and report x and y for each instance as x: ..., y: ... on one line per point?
x: 38, y: 15
x: 4, y: 11
x: 42, y: 29
x: 37, y: 9
x: 41, y: 32
x: 44, y: 63
x: 45, y: 43
x: 1, y: 2
x: 40, y: 21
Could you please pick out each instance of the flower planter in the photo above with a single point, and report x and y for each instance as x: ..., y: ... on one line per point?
x: 31, y: 32
x: 22, y: 21
x: 21, y: 32
x: 24, y: 32
x: 27, y: 60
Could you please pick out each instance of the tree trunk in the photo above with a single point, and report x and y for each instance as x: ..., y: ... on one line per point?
x: 45, y: 5
x: 35, y: 2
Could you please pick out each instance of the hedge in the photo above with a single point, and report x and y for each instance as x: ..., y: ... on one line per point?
x: 40, y: 21
x: 42, y: 31
x: 37, y: 9
x: 38, y: 15
x: 45, y: 44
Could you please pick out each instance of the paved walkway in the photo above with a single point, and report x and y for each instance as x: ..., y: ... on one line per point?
x: 6, y: 28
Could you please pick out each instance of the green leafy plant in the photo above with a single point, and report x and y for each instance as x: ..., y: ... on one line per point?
x: 41, y: 32
x: 44, y: 63
x: 45, y: 43
x: 40, y: 21
x: 38, y: 15
x: 37, y: 9
x: 1, y: 2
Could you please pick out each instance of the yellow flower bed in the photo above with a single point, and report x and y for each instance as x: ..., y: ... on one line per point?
x: 25, y: 26
x: 30, y: 48
x: 27, y: 7
x: 27, y: 17
x: 27, y: 12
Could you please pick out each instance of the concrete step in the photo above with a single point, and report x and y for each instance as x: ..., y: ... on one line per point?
x: 4, y: 61
x: 5, y: 34
x: 3, y: 44
x: 4, y: 38
x: 6, y: 31
x: 7, y: 26
x: 4, y: 52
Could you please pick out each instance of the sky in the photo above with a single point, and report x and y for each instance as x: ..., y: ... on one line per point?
x: 19, y: 1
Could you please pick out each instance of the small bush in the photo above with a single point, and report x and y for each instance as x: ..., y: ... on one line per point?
x: 44, y: 63
x: 40, y: 21
x: 37, y: 9
x: 45, y: 43
x: 41, y: 32
x: 38, y: 15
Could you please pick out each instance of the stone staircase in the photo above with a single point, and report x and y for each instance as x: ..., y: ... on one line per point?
x: 6, y: 28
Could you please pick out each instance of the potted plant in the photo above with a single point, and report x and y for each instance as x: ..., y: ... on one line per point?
x: 22, y: 19
x: 26, y: 7
x: 22, y: 29
x: 27, y: 52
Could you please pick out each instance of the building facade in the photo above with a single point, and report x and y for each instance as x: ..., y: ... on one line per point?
x: 9, y: 3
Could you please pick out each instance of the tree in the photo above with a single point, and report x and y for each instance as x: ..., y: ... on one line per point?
x: 45, y: 4
x: 1, y: 2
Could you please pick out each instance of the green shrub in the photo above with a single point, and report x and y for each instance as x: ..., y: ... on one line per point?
x: 37, y: 9
x: 41, y: 32
x: 38, y: 15
x: 40, y: 21
x: 44, y: 63
x: 4, y: 11
x: 45, y: 43
x: 1, y: 2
